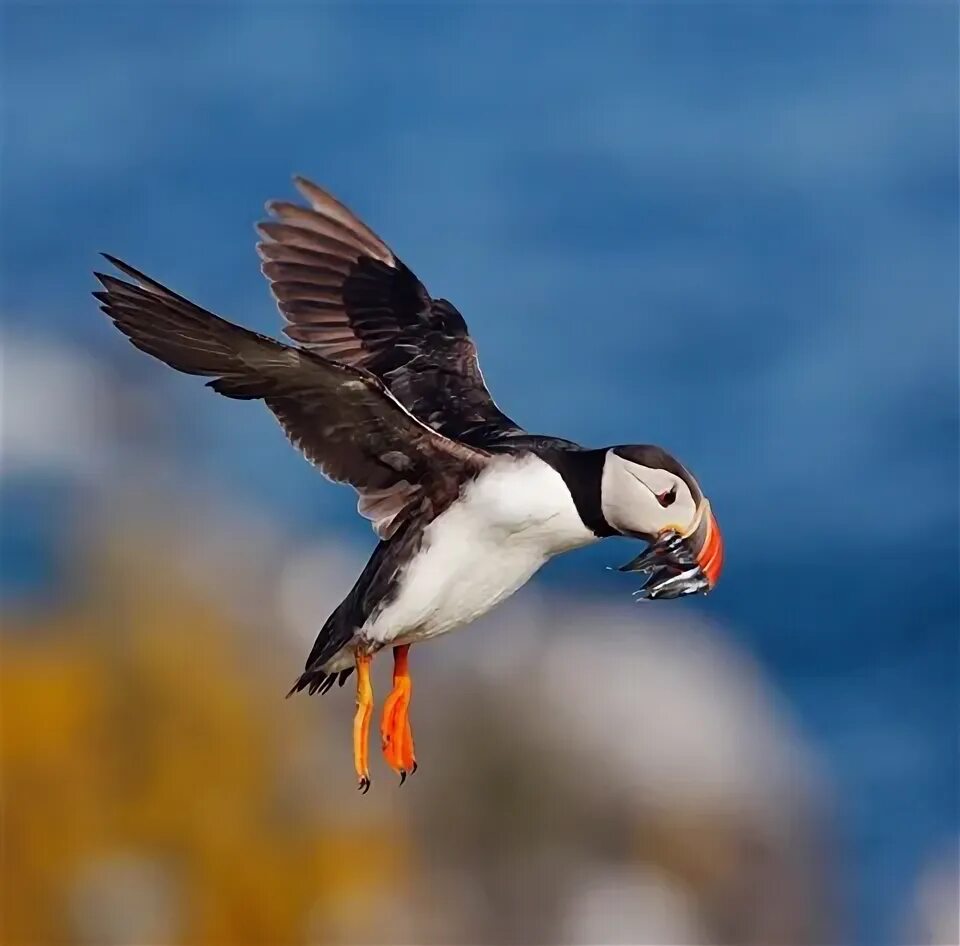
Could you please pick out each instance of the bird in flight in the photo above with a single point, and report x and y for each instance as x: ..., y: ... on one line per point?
x: 382, y: 390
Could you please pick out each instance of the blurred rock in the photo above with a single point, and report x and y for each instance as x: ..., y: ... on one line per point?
x: 645, y: 747
x: 125, y: 898
x: 935, y: 919
x: 632, y: 906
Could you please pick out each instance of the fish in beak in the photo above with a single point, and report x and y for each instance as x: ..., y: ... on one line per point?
x: 685, y: 564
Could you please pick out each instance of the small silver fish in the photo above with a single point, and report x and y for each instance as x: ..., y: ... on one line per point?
x: 672, y: 568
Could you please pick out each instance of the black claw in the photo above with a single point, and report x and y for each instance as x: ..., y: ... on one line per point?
x: 363, y: 786
x: 414, y: 769
x: 403, y: 776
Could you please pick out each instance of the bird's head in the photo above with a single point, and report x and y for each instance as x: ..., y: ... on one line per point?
x: 647, y: 494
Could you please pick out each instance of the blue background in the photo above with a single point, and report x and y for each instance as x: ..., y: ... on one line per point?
x: 730, y: 230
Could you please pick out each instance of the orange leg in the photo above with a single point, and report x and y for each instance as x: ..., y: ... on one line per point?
x: 361, y: 722
x: 396, y: 736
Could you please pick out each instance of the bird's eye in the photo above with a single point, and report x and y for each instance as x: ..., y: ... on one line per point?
x: 668, y: 497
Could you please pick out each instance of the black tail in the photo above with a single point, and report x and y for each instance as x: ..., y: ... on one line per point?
x: 372, y: 588
x: 336, y: 633
x: 314, y: 680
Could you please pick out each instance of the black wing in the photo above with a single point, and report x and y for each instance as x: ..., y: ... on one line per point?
x: 342, y: 417
x: 346, y: 296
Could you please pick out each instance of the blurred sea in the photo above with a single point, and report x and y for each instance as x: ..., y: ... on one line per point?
x: 727, y: 229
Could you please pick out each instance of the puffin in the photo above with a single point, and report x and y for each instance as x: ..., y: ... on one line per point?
x: 380, y: 388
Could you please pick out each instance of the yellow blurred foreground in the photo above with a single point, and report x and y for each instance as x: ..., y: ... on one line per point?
x: 587, y: 776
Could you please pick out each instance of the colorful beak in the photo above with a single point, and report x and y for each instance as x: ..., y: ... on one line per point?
x: 706, y: 543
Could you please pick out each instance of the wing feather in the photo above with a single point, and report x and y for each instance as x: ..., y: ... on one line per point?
x: 343, y: 418
x: 346, y: 296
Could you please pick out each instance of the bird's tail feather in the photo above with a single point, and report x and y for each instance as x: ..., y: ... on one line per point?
x: 337, y: 632
x: 319, y: 680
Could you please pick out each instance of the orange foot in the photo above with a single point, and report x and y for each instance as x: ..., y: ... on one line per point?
x: 396, y: 736
x: 361, y: 723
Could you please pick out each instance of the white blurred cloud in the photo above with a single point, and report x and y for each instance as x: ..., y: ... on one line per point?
x: 56, y: 407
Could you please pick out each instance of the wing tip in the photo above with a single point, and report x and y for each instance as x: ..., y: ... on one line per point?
x: 106, y: 278
x: 140, y: 278
x: 111, y: 283
x: 306, y: 186
x: 274, y: 207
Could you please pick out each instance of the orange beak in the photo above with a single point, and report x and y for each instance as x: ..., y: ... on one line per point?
x: 710, y: 554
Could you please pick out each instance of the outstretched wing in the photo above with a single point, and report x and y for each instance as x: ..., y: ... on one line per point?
x: 346, y: 296
x: 341, y: 416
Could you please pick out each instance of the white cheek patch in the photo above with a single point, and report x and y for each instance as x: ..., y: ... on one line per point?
x: 629, y: 498
x: 627, y: 504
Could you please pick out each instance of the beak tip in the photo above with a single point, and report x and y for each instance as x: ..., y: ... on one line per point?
x: 710, y: 556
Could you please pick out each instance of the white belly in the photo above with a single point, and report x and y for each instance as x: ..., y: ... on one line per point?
x: 514, y: 517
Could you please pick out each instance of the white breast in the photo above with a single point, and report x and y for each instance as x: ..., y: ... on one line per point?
x: 517, y: 514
